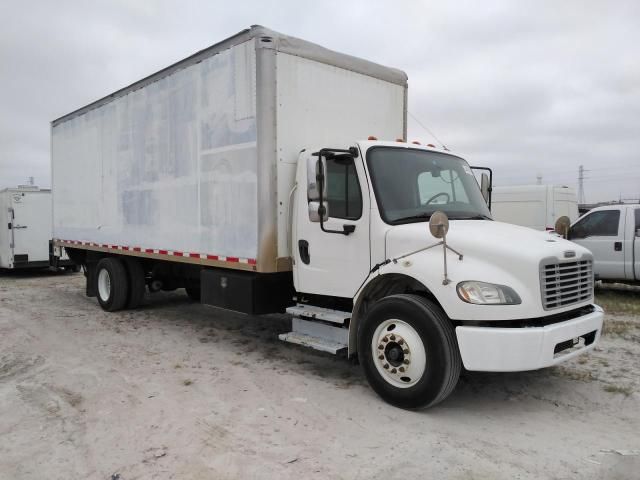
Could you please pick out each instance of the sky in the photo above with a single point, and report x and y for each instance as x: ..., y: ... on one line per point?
x: 528, y: 88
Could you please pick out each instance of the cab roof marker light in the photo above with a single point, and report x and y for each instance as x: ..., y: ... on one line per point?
x: 415, y: 142
x: 371, y: 137
x: 401, y: 140
x: 431, y: 145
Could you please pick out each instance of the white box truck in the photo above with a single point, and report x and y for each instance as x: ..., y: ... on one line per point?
x: 534, y: 206
x: 241, y: 175
x: 25, y: 234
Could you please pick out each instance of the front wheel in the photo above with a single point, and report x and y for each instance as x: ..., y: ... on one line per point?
x: 408, y: 349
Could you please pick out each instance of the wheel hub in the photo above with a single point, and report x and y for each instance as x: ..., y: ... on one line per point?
x: 399, y: 353
x: 395, y: 353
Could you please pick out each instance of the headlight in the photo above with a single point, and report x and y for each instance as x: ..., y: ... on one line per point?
x: 482, y: 293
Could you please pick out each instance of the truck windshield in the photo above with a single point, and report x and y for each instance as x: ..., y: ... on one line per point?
x: 411, y: 184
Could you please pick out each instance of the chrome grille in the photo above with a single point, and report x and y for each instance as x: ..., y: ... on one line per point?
x: 567, y: 283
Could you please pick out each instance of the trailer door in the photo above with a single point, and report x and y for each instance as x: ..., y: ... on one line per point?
x: 31, y: 228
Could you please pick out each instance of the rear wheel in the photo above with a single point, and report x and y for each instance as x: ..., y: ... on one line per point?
x: 408, y: 349
x: 137, y: 285
x: 193, y: 293
x: 112, y: 284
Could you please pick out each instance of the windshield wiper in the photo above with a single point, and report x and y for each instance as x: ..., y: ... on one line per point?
x: 480, y: 216
x: 419, y: 216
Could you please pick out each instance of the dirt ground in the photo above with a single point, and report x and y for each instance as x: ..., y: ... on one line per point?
x: 176, y: 390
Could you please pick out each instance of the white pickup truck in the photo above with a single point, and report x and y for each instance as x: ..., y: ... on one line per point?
x: 612, y: 234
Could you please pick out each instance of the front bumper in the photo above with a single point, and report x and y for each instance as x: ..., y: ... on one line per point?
x: 496, y: 349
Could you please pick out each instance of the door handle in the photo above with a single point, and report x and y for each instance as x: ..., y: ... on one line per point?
x: 303, y: 248
x: 15, y: 227
x: 617, y: 246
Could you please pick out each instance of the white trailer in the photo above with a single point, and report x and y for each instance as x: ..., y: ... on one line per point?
x: 26, y: 228
x: 240, y: 174
x: 534, y: 206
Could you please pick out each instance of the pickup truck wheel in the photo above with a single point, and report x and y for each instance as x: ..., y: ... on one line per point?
x: 112, y: 284
x: 137, y: 284
x: 408, y: 349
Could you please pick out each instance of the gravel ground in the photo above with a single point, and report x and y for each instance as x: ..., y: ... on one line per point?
x: 178, y: 390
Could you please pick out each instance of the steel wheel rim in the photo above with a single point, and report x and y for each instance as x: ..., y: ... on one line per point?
x: 398, y: 353
x: 104, y: 285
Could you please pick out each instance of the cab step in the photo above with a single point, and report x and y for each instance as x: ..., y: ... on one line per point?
x: 311, y: 312
x: 319, y: 336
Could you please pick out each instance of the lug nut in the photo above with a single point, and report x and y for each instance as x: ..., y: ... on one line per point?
x: 380, y: 347
x: 400, y: 341
x: 401, y: 369
x: 393, y: 337
x: 405, y: 351
x: 406, y: 361
x: 386, y: 365
x: 385, y: 339
x: 393, y: 370
x: 381, y: 357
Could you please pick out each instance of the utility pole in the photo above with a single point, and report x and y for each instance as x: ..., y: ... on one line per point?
x: 581, y: 185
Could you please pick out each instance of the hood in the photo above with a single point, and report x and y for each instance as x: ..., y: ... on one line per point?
x: 486, y: 239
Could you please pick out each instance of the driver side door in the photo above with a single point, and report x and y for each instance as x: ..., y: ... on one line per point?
x: 328, y: 263
x: 602, y: 232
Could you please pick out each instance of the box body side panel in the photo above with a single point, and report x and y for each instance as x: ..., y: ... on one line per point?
x: 170, y: 166
x: 321, y: 105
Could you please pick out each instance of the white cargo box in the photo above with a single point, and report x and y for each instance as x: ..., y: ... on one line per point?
x: 196, y: 162
x: 25, y: 230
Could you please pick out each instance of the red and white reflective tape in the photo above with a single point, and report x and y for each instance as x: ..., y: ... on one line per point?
x: 170, y: 253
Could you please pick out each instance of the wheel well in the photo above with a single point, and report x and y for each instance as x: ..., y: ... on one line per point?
x: 380, y: 287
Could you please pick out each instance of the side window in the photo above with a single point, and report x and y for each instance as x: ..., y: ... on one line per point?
x: 637, y: 220
x: 343, y: 190
x: 601, y: 224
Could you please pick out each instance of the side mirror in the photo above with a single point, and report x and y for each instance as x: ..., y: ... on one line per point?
x: 562, y: 226
x: 484, y: 187
x: 314, y: 212
x: 638, y: 232
x: 315, y: 169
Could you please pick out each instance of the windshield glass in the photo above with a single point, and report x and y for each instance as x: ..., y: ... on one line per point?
x: 411, y: 184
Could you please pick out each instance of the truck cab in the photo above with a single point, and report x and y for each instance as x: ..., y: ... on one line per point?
x: 493, y: 297
x: 612, y: 234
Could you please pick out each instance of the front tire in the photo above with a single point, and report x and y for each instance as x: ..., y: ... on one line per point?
x: 408, y: 349
x: 112, y: 284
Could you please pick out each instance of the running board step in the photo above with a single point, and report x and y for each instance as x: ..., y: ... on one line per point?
x: 318, y: 336
x: 310, y: 312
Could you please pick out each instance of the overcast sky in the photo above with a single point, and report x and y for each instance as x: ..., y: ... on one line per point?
x: 526, y: 88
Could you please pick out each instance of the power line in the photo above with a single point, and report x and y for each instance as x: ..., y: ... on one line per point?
x: 427, y: 129
x: 581, y: 184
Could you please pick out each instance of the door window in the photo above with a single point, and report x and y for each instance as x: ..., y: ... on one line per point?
x: 603, y: 223
x: 637, y: 220
x: 343, y: 190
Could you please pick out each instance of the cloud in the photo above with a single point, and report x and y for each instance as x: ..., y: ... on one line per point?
x: 523, y: 87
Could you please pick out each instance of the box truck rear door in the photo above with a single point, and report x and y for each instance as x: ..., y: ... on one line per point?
x: 31, y: 227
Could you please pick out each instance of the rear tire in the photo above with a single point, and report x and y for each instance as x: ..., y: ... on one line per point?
x: 137, y: 284
x: 112, y: 284
x: 408, y: 350
x: 193, y: 293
